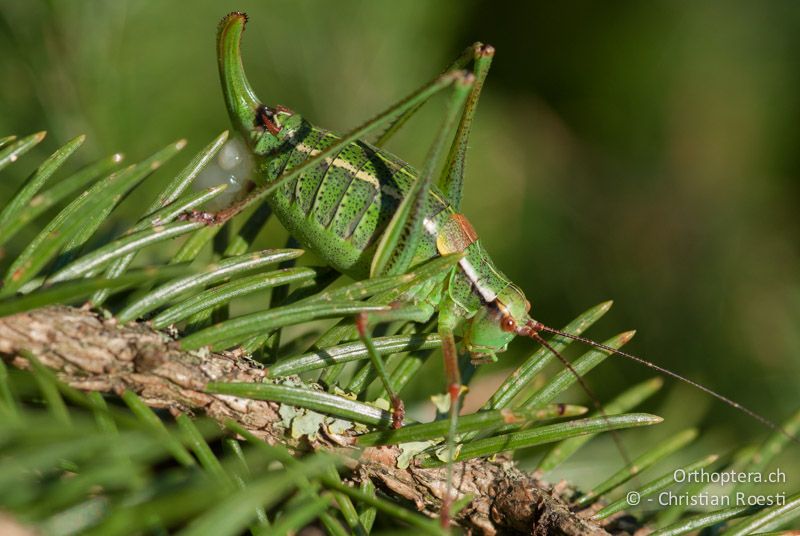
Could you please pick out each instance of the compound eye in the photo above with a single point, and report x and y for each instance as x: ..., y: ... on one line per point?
x: 508, y: 324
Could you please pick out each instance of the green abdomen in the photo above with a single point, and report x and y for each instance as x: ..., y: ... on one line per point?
x: 340, y: 208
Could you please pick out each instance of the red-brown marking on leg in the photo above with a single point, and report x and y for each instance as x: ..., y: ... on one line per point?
x: 398, y: 412
x: 450, y: 361
x: 361, y: 324
x: 455, y: 391
x: 444, y: 513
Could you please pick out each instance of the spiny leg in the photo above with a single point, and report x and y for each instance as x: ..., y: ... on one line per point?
x: 394, y: 253
x: 398, y: 408
x: 399, y: 241
x: 415, y: 302
x: 452, y: 179
x: 470, y: 55
x: 447, y: 321
x: 416, y: 313
x: 396, y: 250
x: 451, y: 183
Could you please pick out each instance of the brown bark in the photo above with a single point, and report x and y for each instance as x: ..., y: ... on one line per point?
x: 92, y: 353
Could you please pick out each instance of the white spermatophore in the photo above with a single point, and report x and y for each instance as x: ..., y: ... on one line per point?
x: 233, y: 166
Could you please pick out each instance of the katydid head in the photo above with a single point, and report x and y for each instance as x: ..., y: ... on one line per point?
x: 264, y: 128
x: 496, y: 324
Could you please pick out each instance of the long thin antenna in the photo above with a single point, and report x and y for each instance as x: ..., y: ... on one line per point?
x: 538, y: 326
x: 598, y: 406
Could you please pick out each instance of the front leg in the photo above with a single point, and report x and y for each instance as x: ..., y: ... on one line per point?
x: 448, y: 320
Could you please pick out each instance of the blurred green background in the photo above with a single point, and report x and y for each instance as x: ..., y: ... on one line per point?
x: 645, y: 152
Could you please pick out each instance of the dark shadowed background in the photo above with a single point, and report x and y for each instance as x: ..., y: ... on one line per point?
x: 645, y: 152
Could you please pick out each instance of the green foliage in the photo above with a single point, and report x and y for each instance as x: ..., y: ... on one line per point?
x: 624, y: 402
x: 72, y: 462
x: 638, y: 465
x: 437, y: 430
